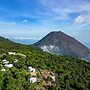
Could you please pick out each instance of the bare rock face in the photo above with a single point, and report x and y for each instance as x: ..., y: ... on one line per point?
x: 61, y: 44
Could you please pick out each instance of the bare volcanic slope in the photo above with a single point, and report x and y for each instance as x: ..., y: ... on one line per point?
x: 60, y: 43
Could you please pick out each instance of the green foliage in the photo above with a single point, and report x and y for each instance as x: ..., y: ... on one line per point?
x: 71, y: 73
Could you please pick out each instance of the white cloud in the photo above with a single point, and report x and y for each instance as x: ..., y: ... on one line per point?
x: 62, y: 9
x: 13, y: 23
x: 25, y: 21
x: 79, y: 20
x: 7, y: 23
x: 23, y: 38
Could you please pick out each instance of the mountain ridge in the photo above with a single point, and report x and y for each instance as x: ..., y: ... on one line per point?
x: 60, y: 43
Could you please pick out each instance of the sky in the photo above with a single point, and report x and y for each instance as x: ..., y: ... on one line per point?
x: 33, y: 19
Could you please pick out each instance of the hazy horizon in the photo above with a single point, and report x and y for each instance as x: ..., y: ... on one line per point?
x: 31, y: 41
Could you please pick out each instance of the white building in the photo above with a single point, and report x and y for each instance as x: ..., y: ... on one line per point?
x: 33, y: 80
x: 3, y: 70
x: 12, y: 53
x: 31, y: 69
x: 6, y: 62
x: 9, y: 65
x: 53, y: 77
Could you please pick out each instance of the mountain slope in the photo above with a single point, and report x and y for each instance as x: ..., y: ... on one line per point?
x: 70, y: 73
x: 62, y: 44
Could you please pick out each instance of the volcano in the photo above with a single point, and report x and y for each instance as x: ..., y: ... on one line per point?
x: 60, y: 43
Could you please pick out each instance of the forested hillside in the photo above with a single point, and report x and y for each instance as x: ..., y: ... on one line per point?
x: 70, y: 73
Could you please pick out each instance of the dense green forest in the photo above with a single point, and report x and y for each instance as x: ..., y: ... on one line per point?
x: 70, y: 73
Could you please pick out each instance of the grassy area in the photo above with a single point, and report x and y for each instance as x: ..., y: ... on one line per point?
x: 20, y: 54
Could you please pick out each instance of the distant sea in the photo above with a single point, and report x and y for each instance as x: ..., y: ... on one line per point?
x: 24, y: 41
